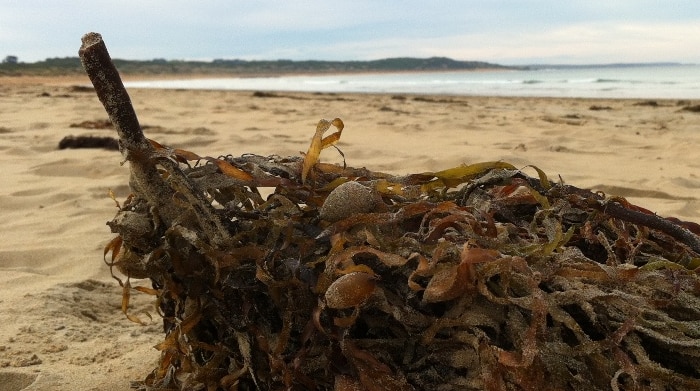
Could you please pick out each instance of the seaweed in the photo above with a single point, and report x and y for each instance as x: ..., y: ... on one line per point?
x: 692, y: 109
x: 74, y: 142
x: 477, y: 277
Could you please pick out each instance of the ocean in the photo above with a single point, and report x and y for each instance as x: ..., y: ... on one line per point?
x: 644, y: 82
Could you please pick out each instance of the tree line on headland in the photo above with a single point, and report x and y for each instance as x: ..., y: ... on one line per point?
x: 71, y: 65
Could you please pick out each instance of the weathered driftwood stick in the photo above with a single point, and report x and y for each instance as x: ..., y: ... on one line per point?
x: 145, y: 179
x: 111, y: 92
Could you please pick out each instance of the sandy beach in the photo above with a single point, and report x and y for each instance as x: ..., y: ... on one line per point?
x: 61, y: 326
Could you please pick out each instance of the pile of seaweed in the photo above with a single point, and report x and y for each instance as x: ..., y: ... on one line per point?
x: 476, y: 277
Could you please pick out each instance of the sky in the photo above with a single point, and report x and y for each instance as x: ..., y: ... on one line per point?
x: 499, y: 31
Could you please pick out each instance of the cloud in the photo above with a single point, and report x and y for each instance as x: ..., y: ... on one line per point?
x: 495, y: 30
x: 601, y: 43
x: 606, y: 42
x: 582, y: 43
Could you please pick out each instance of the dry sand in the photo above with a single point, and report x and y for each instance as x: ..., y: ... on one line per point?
x: 60, y: 322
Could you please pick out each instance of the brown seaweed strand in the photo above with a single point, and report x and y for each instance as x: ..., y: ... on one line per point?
x: 210, y: 222
x: 618, y: 210
x: 666, y: 226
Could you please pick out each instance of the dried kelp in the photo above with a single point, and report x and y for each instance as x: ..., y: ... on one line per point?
x: 74, y: 142
x: 475, y: 277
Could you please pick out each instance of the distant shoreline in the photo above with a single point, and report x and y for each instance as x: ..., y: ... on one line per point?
x: 641, y: 82
x: 77, y: 78
x: 69, y: 69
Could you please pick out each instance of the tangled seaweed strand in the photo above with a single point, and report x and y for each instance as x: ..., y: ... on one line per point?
x: 478, y: 277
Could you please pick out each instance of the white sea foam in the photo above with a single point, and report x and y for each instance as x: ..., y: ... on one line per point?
x: 674, y: 82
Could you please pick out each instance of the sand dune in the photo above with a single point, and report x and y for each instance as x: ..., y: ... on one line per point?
x: 61, y: 323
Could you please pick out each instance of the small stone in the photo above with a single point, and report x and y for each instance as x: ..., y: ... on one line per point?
x: 55, y: 348
x: 27, y: 361
x: 346, y: 200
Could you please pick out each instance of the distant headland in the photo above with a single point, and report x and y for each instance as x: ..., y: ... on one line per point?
x: 71, y: 66
x: 67, y: 66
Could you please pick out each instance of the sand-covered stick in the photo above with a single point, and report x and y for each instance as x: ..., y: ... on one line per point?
x: 114, y: 97
x: 145, y: 181
x: 135, y: 147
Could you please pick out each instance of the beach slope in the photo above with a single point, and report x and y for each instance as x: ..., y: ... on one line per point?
x: 61, y: 325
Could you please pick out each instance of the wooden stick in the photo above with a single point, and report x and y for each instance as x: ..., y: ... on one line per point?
x: 145, y: 181
x: 111, y: 92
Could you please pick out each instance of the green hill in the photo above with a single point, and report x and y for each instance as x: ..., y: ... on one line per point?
x: 71, y: 65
